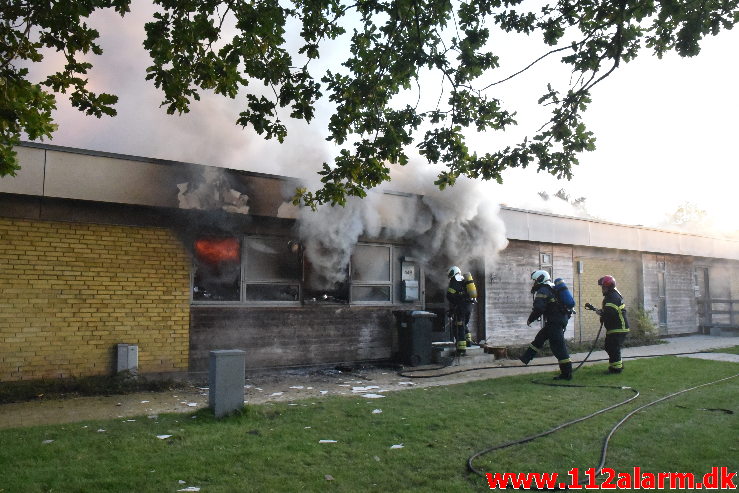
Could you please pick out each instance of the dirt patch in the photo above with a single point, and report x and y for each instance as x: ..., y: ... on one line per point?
x: 285, y: 386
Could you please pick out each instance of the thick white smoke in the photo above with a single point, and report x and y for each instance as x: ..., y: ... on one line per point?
x: 459, y: 225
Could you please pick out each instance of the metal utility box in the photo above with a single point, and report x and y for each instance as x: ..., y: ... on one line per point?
x: 414, y: 336
x: 226, y: 377
x: 410, y: 291
x: 127, y: 358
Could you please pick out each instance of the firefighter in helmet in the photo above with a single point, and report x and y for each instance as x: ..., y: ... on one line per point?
x: 556, y: 317
x: 461, y: 294
x: 613, y: 317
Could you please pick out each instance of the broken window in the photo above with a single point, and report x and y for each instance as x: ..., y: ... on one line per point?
x: 271, y: 270
x: 217, y: 275
x: 255, y: 269
x: 372, y: 273
x: 318, y: 289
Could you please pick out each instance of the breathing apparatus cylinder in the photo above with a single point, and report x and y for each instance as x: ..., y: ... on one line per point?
x: 470, y: 285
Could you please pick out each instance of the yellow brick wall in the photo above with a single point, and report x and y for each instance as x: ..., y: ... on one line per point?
x: 70, y: 292
x: 626, y: 273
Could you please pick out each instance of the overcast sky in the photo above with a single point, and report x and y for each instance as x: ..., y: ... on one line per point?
x: 665, y: 129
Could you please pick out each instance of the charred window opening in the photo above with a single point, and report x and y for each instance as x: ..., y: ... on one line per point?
x: 372, y: 274
x: 217, y: 274
x: 319, y: 289
x: 278, y: 270
x: 272, y: 270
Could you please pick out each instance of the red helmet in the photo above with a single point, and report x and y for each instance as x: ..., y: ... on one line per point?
x: 607, y: 282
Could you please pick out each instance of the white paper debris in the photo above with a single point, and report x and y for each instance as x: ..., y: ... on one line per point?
x: 144, y: 402
x: 306, y: 427
x: 275, y: 394
x: 326, y: 441
x: 297, y: 387
x: 406, y: 383
x: 153, y: 416
x: 192, y: 404
x: 323, y: 392
x: 373, y: 396
x: 329, y: 477
x: 163, y: 437
x: 46, y: 442
x: 365, y: 389
x: 400, y: 445
x: 191, y: 488
x: 101, y: 430
x: 182, y: 482
x: 377, y: 411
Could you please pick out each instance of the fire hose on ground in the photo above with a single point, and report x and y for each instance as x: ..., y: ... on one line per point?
x: 604, y: 449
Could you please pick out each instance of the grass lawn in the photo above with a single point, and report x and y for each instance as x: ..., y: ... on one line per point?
x: 275, y: 447
x: 729, y: 350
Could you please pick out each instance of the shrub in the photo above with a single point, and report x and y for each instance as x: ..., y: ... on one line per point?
x: 642, y: 325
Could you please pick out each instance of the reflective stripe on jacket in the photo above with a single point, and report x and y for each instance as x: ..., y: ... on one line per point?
x: 614, y: 313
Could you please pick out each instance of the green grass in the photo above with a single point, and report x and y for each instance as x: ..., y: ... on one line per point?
x: 728, y: 350
x: 274, y: 447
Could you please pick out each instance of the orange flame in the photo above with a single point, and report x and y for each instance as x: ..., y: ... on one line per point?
x: 215, y: 250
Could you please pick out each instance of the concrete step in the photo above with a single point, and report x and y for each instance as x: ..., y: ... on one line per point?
x: 474, y: 356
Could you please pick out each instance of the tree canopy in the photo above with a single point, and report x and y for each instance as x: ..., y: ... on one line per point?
x: 389, y: 45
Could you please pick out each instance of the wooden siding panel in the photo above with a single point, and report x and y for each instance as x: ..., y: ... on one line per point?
x: 681, y: 305
x: 563, y: 266
x: 508, y: 294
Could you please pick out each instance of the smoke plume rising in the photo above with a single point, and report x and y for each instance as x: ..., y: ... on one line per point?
x: 459, y: 225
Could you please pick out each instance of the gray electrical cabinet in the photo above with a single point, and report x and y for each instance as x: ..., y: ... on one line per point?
x: 127, y: 358
x: 226, y: 378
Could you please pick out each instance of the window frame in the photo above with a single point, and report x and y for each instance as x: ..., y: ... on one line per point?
x: 242, y: 301
x: 245, y: 239
x: 389, y: 283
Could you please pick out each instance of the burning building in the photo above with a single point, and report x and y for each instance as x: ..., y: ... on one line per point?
x: 181, y: 259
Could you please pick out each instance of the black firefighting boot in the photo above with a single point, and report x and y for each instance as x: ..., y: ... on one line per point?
x: 616, y: 367
x: 565, y: 371
x: 528, y: 355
